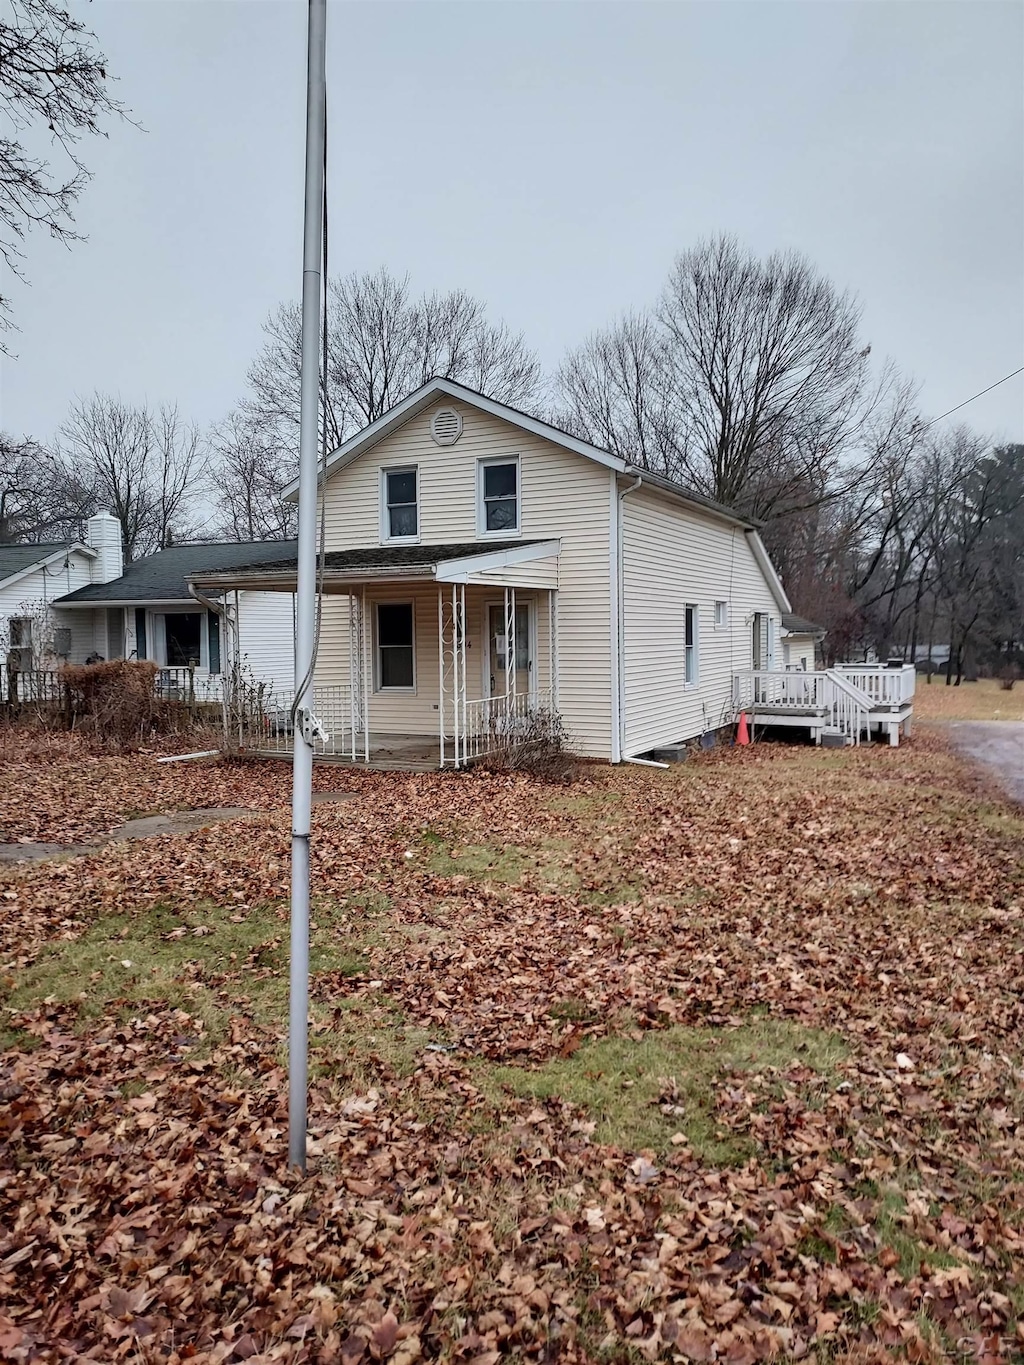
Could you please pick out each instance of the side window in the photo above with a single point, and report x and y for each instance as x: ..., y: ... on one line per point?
x: 691, y: 629
x: 721, y: 614
x: 400, y: 513
x: 499, y: 496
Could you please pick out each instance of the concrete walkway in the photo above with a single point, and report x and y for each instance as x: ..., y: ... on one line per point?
x: 997, y: 745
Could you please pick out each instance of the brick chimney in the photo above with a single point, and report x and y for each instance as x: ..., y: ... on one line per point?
x: 103, y: 534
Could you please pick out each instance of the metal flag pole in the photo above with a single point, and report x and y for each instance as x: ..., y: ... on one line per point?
x: 304, y: 724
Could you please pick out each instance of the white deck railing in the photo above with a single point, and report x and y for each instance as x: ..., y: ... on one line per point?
x: 761, y: 687
x: 885, y: 686
x: 831, y: 696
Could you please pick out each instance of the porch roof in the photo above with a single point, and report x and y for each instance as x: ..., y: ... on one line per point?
x: 448, y: 563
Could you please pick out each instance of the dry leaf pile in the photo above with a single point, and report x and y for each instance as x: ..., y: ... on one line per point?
x: 146, y: 1209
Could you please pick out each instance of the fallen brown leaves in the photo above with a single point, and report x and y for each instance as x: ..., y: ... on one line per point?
x: 146, y: 1213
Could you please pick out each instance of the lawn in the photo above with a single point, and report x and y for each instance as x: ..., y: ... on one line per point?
x: 718, y: 1063
x: 981, y: 700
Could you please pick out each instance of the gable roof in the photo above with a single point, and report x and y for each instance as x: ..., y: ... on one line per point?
x: 422, y: 398
x: 16, y: 560
x: 162, y: 577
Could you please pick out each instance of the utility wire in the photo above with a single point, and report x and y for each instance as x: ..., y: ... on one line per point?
x: 972, y: 398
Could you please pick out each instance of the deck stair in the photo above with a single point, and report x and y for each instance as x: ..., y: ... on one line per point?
x: 851, y: 701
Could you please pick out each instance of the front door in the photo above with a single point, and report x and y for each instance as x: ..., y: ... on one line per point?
x: 757, y: 642
x: 497, y: 650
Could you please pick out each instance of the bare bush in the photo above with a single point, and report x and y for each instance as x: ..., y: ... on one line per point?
x: 116, y: 705
x: 537, y: 745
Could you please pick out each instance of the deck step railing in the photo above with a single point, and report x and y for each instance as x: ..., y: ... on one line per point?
x: 827, y: 695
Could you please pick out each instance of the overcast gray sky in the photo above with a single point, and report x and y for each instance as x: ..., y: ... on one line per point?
x: 548, y: 157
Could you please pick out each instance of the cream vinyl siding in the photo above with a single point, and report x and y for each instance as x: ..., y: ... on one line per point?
x: 798, y: 651
x: 674, y: 555
x: 562, y: 496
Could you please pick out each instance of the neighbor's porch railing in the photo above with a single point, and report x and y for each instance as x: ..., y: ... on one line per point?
x: 188, y: 685
x: 21, y: 686
x: 260, y: 718
x: 493, y: 723
x: 885, y: 686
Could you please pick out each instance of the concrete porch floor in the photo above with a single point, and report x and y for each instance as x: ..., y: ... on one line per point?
x: 388, y: 753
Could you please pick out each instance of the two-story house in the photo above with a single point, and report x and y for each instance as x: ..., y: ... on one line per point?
x: 481, y: 564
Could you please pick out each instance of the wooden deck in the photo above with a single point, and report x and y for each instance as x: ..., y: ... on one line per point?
x: 855, y: 701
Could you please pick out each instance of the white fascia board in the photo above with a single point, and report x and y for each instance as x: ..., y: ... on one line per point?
x: 46, y: 561
x: 459, y: 570
x: 446, y: 388
x: 768, y: 569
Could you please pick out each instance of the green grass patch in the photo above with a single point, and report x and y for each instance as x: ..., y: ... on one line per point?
x: 640, y: 1094
x: 210, y: 960
x: 484, y: 862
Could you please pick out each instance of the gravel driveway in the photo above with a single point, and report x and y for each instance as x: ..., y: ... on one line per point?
x: 996, y: 744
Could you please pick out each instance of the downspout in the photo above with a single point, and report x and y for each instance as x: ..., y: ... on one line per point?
x: 219, y: 610
x: 620, y: 624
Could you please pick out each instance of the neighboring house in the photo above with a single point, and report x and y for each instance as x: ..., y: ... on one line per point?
x: 148, y: 612
x: 32, y: 577
x: 800, y: 642
x: 481, y: 565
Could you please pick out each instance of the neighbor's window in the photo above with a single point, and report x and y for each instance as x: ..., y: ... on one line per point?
x: 721, y: 614
x: 401, y: 515
x: 395, y: 666
x: 183, y: 632
x: 499, y: 489
x: 21, y: 641
x: 690, y: 665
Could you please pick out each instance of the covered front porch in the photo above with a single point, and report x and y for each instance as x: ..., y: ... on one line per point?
x: 426, y: 664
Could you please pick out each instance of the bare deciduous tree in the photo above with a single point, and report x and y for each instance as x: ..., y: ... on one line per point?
x: 616, y: 390
x: 53, y: 82
x: 143, y: 468
x: 36, y: 504
x: 382, y: 344
x: 248, y: 477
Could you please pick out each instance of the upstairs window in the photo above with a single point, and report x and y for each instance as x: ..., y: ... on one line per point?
x: 401, y: 519
x: 690, y: 660
x: 499, y: 496
x: 721, y: 614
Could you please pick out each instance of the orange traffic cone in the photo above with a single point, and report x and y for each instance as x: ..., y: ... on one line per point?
x: 741, y: 730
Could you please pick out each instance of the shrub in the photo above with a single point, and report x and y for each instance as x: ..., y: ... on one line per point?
x: 536, y: 744
x: 116, y: 703
x: 1008, y: 676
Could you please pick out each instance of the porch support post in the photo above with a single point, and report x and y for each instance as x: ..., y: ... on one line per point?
x: 367, y: 675
x: 553, y: 647
x: 440, y: 671
x: 510, y: 644
x: 459, y: 652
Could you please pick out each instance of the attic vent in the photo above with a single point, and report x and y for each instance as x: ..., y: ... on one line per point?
x: 446, y: 426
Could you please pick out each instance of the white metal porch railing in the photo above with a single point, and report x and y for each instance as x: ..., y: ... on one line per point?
x: 260, y: 719
x: 493, y: 723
